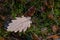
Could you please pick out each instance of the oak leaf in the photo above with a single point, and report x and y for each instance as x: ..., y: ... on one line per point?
x: 20, y: 24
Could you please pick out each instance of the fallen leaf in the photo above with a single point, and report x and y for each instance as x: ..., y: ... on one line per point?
x: 20, y: 24
x: 1, y: 38
x: 50, y: 6
x: 54, y: 28
x: 35, y: 37
x: 43, y: 9
x: 3, y: 17
x: 1, y: 25
x: 30, y: 11
x: 49, y: 3
x: 50, y: 16
x: 54, y: 37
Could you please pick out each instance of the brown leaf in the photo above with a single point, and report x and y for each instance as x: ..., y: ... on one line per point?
x: 30, y: 11
x: 1, y: 25
x: 35, y: 37
x: 50, y: 16
x: 1, y: 38
x: 3, y: 17
x: 54, y: 28
x: 53, y: 37
x: 49, y: 3
x: 46, y: 3
x: 58, y: 18
x: 43, y: 9
x: 50, y: 6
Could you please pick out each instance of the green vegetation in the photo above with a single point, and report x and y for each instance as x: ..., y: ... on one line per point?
x: 44, y: 21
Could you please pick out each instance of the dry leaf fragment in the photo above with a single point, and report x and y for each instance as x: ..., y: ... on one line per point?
x: 54, y: 37
x: 1, y: 38
x: 43, y: 9
x: 54, y: 28
x: 50, y: 16
x: 30, y: 11
x: 49, y: 3
x: 35, y: 37
x: 3, y: 17
x: 1, y: 25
